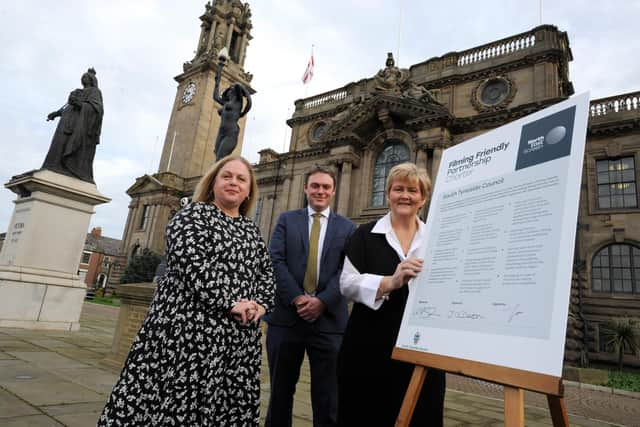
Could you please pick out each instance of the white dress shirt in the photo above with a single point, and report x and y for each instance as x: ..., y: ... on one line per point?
x: 324, y: 220
x: 363, y: 288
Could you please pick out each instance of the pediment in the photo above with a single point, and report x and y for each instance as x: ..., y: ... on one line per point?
x: 154, y: 183
x: 383, y: 110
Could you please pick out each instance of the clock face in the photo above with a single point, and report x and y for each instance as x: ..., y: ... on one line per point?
x: 189, y: 93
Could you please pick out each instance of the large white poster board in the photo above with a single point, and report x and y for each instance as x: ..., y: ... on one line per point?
x: 500, y: 242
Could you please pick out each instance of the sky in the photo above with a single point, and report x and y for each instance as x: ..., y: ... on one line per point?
x: 138, y: 46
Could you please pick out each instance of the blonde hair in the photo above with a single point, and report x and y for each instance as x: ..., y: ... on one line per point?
x: 204, y: 189
x: 410, y: 172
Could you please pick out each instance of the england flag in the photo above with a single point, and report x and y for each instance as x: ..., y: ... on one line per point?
x: 308, y: 73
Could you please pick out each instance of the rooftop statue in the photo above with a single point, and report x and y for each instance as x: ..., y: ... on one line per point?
x: 391, y: 78
x: 394, y: 80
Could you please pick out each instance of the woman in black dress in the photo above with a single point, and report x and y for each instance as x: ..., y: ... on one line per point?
x: 380, y: 260
x: 196, y: 359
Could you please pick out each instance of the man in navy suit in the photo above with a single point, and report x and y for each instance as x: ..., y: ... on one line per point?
x: 307, y: 249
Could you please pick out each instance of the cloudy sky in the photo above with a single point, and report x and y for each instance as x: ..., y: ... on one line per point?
x: 138, y: 46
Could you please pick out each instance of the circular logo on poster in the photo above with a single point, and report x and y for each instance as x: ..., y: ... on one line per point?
x: 555, y: 135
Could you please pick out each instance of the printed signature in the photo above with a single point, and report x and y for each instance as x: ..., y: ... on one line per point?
x: 463, y: 314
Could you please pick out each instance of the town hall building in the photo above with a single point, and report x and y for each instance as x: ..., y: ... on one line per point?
x: 364, y: 128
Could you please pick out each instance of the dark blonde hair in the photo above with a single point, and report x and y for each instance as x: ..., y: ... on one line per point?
x: 204, y: 189
x: 410, y: 172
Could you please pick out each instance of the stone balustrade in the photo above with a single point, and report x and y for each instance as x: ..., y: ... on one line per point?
x: 495, y: 49
x: 336, y: 96
x: 615, y: 104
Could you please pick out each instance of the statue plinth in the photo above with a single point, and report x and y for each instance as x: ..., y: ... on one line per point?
x: 39, y: 283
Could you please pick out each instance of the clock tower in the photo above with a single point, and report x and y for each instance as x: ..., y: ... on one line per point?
x: 188, y: 149
x: 189, y: 143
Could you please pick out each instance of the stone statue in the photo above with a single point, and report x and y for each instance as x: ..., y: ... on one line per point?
x: 395, y: 81
x: 420, y: 93
x: 74, y: 142
x: 231, y: 111
x: 391, y: 78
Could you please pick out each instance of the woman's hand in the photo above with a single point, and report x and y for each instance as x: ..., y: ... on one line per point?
x: 405, y: 271
x: 241, y: 312
x: 246, y: 311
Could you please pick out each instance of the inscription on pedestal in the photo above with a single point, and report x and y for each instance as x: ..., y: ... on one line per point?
x: 15, y: 234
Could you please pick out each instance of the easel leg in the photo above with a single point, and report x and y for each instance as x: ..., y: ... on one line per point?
x: 558, y: 411
x: 513, y: 407
x: 411, y: 397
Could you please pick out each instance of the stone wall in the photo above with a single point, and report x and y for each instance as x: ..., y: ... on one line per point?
x: 135, y: 300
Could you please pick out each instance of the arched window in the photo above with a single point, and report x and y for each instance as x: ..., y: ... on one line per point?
x: 392, y: 154
x: 616, y: 269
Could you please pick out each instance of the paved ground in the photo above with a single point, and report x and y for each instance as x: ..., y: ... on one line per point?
x: 52, y: 378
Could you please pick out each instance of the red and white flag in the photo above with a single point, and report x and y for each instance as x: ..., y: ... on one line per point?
x: 308, y: 73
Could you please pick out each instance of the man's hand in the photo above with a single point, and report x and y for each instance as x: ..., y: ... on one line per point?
x: 309, y: 308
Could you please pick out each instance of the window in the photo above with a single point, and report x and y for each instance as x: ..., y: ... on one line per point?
x: 145, y: 217
x: 392, y: 154
x: 617, y: 183
x: 85, y: 257
x: 616, y: 269
x: 256, y: 216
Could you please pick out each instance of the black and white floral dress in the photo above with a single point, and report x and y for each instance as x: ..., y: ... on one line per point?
x: 191, y: 363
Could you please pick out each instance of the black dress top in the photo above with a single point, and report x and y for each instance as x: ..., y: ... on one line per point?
x: 371, y: 385
x: 191, y: 363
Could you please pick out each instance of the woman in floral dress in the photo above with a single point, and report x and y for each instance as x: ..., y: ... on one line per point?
x: 196, y: 360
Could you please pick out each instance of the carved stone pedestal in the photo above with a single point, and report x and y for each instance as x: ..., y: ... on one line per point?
x: 39, y: 284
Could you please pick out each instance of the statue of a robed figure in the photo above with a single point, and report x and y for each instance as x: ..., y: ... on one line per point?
x: 74, y: 142
x: 40, y: 287
x: 230, y: 111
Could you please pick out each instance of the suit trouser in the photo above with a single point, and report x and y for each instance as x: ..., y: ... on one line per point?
x: 285, y: 350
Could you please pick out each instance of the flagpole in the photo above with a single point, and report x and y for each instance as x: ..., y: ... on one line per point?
x: 399, y: 32
x: 284, y: 139
x: 540, y: 12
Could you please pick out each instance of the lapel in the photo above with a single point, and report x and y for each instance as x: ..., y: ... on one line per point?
x: 303, y: 229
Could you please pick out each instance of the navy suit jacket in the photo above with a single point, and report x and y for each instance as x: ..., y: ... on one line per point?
x: 289, y: 248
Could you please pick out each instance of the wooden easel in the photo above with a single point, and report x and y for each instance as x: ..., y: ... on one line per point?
x: 515, y: 381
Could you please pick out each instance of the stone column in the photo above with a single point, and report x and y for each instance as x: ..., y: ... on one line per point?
x: 203, y: 29
x: 212, y: 34
x: 229, y: 35
x: 345, y: 188
x: 437, y: 155
x: 421, y: 156
x: 283, y: 194
x: 243, y: 50
x: 153, y: 211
